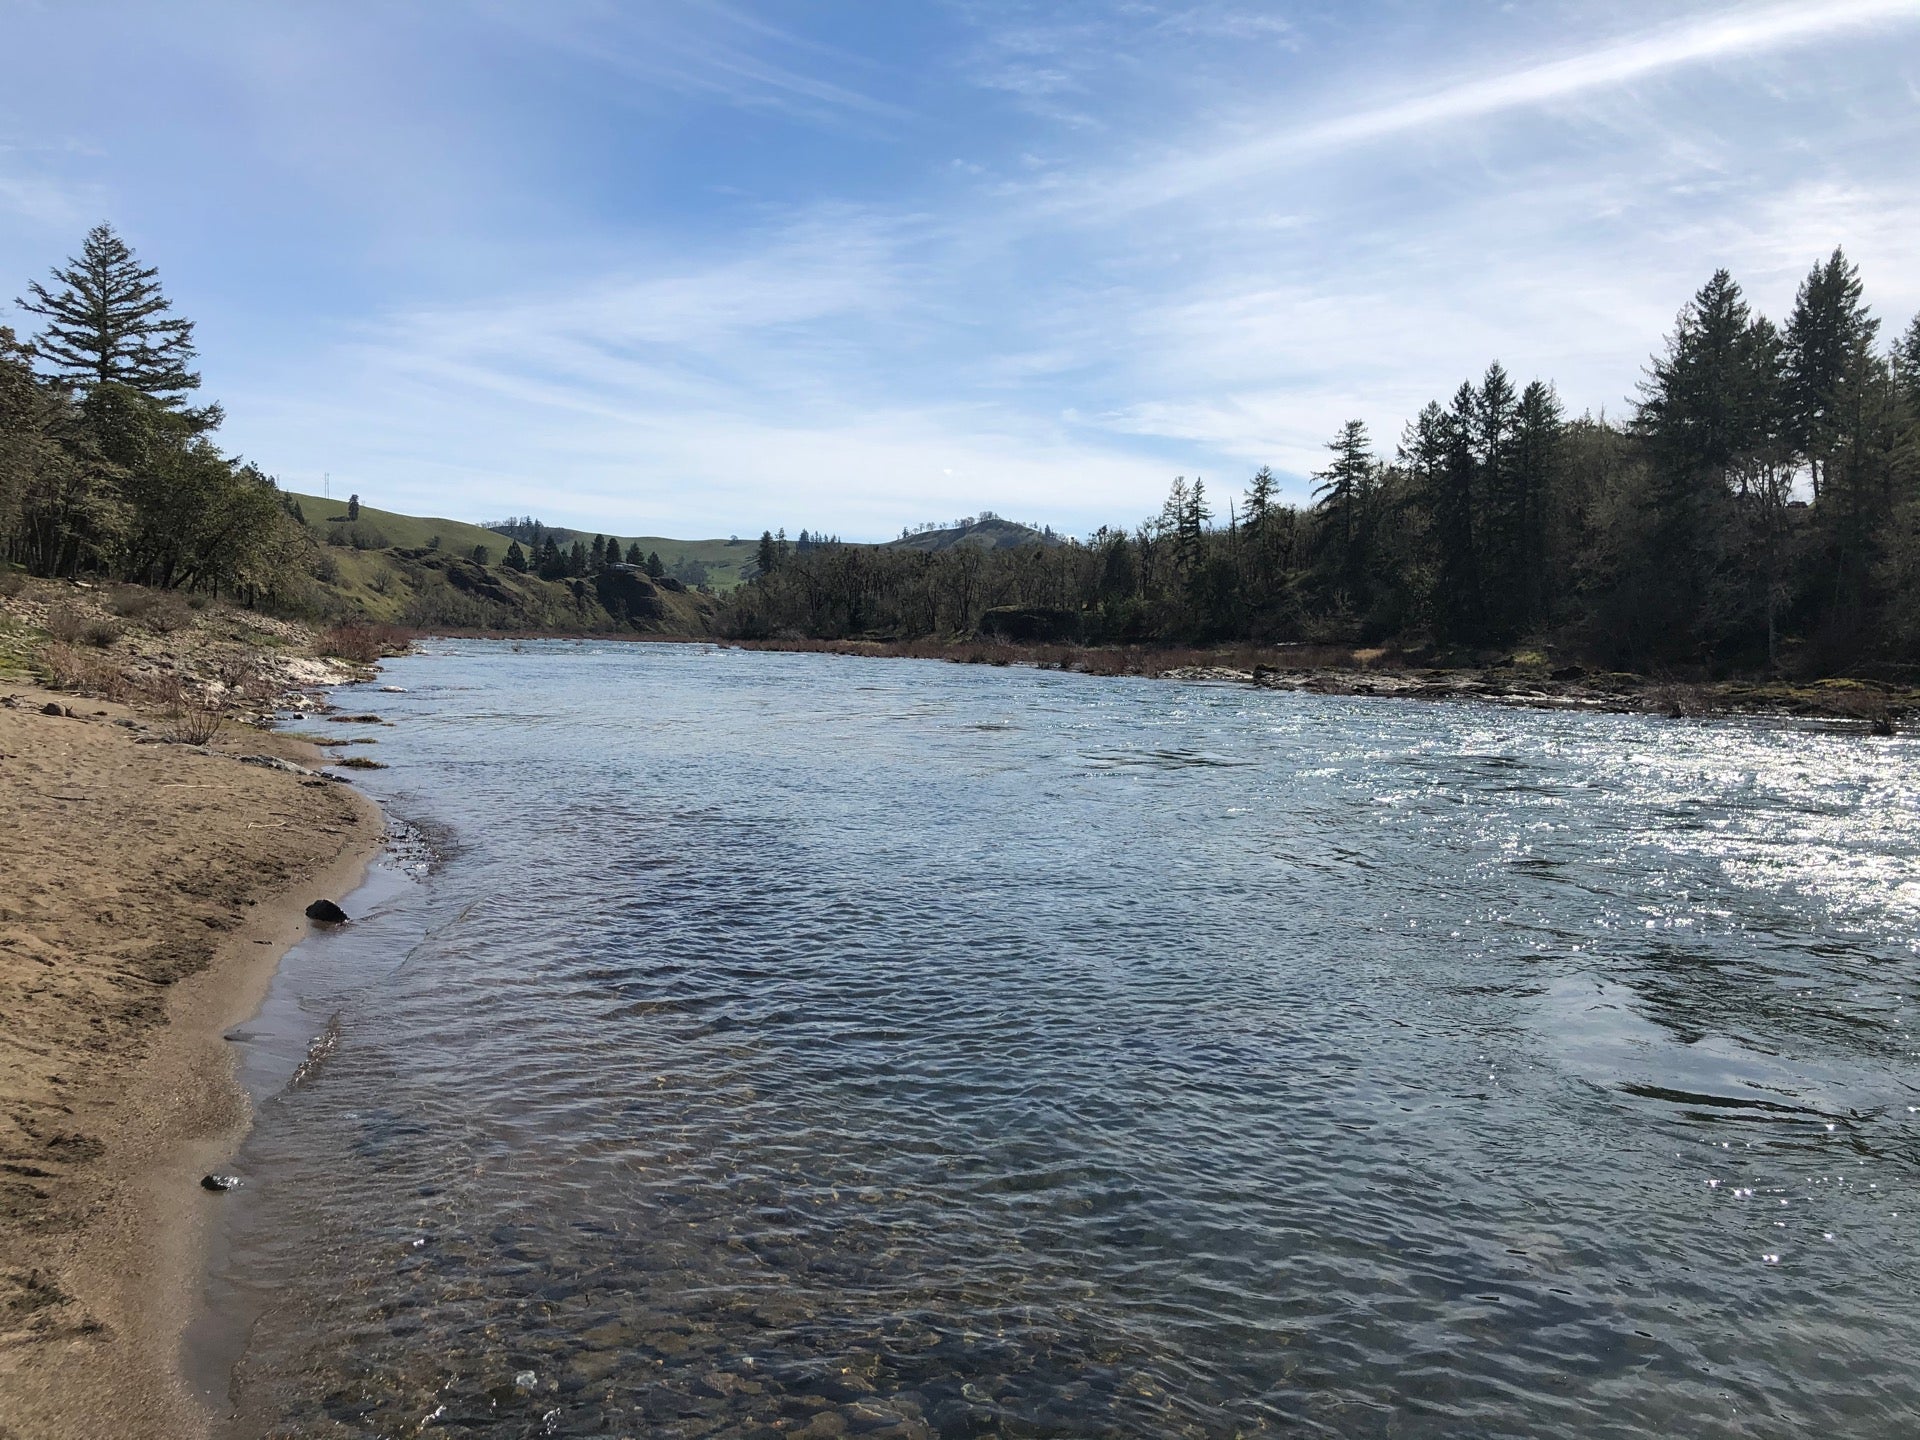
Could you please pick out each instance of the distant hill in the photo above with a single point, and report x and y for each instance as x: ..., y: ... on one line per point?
x: 424, y: 572
x: 717, y: 564
x: 989, y: 532
x: 408, y: 531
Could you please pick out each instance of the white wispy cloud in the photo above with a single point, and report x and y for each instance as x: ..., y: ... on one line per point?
x: 707, y: 48
x: 1723, y: 36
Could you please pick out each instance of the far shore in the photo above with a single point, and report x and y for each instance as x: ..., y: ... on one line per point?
x: 1519, y: 678
x: 153, y: 886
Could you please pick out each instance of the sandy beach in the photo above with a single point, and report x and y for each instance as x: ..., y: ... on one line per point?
x: 147, y: 892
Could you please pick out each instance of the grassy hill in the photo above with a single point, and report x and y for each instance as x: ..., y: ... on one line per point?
x: 718, y: 564
x: 426, y: 573
x: 383, y: 528
x: 988, y: 533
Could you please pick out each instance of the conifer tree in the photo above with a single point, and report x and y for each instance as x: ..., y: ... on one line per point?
x: 107, y: 322
x: 766, y: 558
x: 577, y: 558
x: 353, y: 507
x: 1828, y: 335
x: 1457, y: 609
x: 1343, y: 489
x: 516, y: 560
x: 654, y: 568
x: 597, y: 553
x: 1536, y: 456
x: 634, y: 557
x: 1906, y: 364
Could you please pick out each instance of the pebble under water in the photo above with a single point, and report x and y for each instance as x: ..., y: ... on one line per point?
x: 806, y: 1045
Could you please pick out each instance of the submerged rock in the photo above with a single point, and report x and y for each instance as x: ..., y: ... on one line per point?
x: 219, y: 1182
x: 326, y: 912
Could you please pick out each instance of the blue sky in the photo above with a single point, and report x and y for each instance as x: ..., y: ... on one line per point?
x: 699, y: 268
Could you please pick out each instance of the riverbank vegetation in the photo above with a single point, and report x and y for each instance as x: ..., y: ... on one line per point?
x: 110, y: 472
x: 1757, y: 511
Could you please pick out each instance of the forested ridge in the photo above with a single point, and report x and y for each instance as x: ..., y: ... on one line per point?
x: 1758, y: 509
x: 110, y: 470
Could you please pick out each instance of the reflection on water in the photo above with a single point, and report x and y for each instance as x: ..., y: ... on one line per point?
x: 801, y: 1045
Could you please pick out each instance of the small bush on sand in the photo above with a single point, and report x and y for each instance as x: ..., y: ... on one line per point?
x: 362, y: 642
x: 69, y: 667
x: 189, y: 717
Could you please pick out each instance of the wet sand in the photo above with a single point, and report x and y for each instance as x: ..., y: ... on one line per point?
x: 147, y: 892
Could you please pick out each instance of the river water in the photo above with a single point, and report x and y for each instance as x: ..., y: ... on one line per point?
x: 795, y: 1044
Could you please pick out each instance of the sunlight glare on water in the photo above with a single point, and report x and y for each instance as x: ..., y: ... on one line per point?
x: 792, y: 1044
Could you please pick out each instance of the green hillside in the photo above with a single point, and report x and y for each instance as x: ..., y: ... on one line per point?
x: 426, y: 573
x: 717, y: 564
x: 989, y: 532
x: 377, y: 529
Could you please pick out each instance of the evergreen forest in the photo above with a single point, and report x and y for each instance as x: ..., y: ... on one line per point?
x: 1758, y: 511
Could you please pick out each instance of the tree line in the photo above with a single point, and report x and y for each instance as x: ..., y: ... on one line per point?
x: 1759, y: 506
x: 106, y: 465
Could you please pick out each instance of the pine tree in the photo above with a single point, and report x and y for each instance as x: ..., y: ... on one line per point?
x: 634, y: 557
x: 766, y: 559
x: 597, y: 553
x: 516, y: 560
x: 1458, y: 611
x: 1705, y: 412
x: 1535, y: 472
x: 109, y: 324
x: 654, y: 568
x: 1259, y: 532
x: 353, y: 507
x: 1827, y: 336
x: 1906, y: 364
x: 577, y: 558
x: 1343, y: 489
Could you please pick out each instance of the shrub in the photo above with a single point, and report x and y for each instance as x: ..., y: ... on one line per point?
x: 64, y: 624
x: 361, y: 641
x: 12, y: 582
x: 190, y: 718
x: 159, y: 610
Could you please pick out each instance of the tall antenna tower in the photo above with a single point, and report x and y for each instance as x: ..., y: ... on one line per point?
x: 326, y: 484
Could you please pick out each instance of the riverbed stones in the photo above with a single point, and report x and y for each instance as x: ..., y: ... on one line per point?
x: 219, y: 1182
x: 325, y: 912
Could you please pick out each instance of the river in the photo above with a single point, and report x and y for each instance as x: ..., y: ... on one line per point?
x: 810, y: 1045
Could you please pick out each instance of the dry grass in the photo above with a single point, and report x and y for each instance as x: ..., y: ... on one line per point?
x: 85, y: 671
x: 69, y: 625
x: 189, y: 717
x: 1679, y: 699
x: 161, y: 611
x: 362, y: 641
x: 1867, y: 704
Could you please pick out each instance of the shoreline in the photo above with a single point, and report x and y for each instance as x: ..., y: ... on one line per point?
x: 1526, y: 681
x: 119, y: 1089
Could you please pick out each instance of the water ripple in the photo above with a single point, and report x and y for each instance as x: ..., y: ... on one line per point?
x: 799, y: 1045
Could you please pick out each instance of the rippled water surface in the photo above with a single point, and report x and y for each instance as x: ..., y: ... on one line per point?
x: 792, y: 1044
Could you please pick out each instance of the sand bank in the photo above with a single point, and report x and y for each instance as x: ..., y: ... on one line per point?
x: 147, y: 891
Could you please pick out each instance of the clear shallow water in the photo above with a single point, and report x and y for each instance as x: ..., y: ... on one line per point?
x: 801, y: 1044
